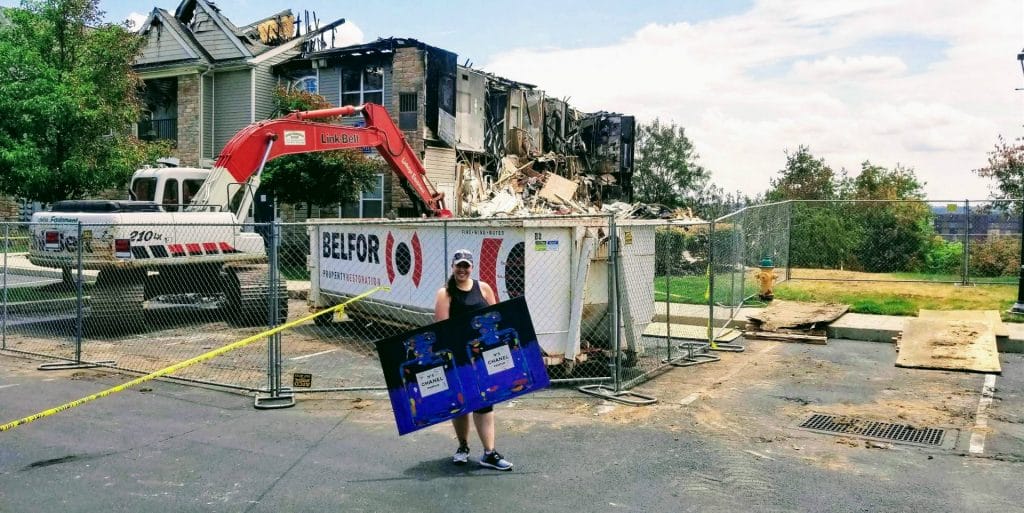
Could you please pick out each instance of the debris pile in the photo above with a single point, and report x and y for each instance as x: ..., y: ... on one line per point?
x: 549, y: 184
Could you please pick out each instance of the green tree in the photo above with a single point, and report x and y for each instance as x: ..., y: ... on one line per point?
x: 68, y: 97
x: 1006, y: 167
x: 897, y: 226
x: 322, y: 178
x: 822, y: 234
x: 805, y: 177
x: 666, y: 170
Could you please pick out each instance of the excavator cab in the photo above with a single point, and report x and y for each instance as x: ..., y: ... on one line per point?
x: 172, y: 187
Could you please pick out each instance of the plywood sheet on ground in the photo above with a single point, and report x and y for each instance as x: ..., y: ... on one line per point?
x: 688, y: 331
x: 968, y: 346
x: 989, y: 316
x: 796, y: 315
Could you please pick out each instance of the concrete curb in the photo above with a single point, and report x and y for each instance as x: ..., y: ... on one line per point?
x: 852, y: 326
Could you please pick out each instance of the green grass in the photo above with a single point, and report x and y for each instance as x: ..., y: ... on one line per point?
x: 23, y: 294
x: 14, y: 244
x: 294, y: 272
x: 881, y: 298
x: 693, y: 289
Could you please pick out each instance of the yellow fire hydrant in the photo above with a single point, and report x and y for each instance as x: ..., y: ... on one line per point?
x: 766, y: 280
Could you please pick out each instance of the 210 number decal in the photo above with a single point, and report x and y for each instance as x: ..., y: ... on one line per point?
x: 144, y: 235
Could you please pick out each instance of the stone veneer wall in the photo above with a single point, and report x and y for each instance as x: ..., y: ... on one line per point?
x: 408, y: 75
x: 189, y: 120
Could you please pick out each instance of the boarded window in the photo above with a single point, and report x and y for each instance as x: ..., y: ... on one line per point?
x: 407, y: 111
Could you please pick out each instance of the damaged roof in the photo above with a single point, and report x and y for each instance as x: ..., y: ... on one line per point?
x: 380, y: 46
x: 199, y: 33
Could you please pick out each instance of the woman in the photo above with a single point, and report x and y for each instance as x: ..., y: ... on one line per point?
x: 462, y: 295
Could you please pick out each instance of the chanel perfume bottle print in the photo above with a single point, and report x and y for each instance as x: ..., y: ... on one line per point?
x: 431, y: 381
x: 497, y: 357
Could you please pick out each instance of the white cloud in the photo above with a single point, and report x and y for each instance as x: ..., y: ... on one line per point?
x: 864, y: 67
x: 135, y: 20
x: 940, y: 119
x: 348, y: 34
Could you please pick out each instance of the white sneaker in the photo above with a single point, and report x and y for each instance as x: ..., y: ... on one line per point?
x: 461, y: 456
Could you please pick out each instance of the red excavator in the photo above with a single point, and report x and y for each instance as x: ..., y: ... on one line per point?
x: 248, y: 151
x: 149, y: 248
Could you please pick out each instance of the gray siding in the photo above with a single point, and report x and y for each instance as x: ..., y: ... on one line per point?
x: 208, y: 118
x: 329, y: 85
x: 162, y: 46
x: 232, y: 105
x: 217, y: 43
x: 266, y: 83
x: 389, y: 83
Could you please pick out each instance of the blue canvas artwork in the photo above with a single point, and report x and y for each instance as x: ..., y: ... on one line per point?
x: 450, y: 368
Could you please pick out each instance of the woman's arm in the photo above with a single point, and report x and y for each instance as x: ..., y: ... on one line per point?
x: 441, y: 304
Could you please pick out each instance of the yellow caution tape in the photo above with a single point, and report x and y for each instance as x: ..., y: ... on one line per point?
x: 181, y: 365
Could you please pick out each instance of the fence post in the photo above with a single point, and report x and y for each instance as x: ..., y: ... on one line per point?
x: 711, y: 283
x: 964, y: 274
x: 1018, y: 307
x: 278, y: 396
x: 613, y: 301
x: 789, y: 240
x: 669, y: 260
x: 3, y: 326
x: 78, y: 292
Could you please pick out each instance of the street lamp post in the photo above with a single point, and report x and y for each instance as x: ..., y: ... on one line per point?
x: 1018, y: 307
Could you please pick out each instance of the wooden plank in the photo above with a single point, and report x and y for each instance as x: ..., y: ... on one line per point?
x: 440, y: 164
x: 792, y: 314
x: 556, y: 187
x: 688, y: 331
x: 990, y: 316
x: 787, y: 337
x: 968, y: 346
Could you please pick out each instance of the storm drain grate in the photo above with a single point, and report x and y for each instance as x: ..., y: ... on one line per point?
x: 899, y: 433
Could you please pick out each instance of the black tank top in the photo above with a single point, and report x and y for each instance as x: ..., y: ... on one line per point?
x: 465, y: 301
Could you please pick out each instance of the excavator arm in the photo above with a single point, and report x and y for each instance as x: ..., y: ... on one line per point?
x: 244, y: 156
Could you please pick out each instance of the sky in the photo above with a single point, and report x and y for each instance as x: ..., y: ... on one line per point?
x: 927, y: 84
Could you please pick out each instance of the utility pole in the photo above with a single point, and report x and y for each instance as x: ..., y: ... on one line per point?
x: 1018, y: 307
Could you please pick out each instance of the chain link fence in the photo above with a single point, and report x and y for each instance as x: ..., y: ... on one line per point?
x: 67, y: 296
x: 965, y: 242
x: 614, y: 302
x: 141, y: 298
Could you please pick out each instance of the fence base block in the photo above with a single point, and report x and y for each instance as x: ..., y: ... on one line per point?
x: 267, y: 401
x: 74, y: 365
x: 690, y: 360
x: 624, y: 397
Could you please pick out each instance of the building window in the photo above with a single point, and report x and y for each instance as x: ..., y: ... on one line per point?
x: 362, y: 85
x: 307, y: 84
x: 407, y: 111
x: 372, y: 202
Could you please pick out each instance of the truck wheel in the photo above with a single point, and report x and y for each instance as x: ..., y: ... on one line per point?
x: 248, y: 296
x: 116, y: 302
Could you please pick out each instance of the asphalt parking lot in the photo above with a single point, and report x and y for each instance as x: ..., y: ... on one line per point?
x: 723, y: 437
